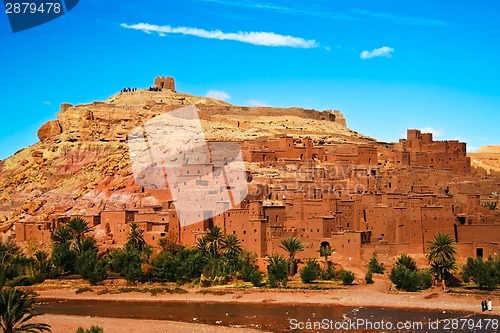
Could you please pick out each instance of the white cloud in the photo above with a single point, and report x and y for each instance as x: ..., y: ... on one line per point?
x: 435, y: 132
x: 222, y: 95
x: 250, y: 37
x: 384, y: 51
x: 255, y: 102
x: 471, y: 149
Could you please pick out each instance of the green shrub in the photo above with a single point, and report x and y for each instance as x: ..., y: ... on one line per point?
x: 127, y: 262
x: 91, y: 267
x: 328, y: 273
x: 407, y: 277
x: 277, y: 270
x: 407, y: 261
x: 93, y: 329
x: 310, y: 271
x: 252, y: 274
x: 425, y: 278
x: 375, y: 266
x: 347, y: 277
x: 404, y: 278
x: 369, y: 277
x: 485, y: 274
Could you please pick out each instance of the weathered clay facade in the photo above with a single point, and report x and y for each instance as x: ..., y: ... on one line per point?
x: 388, y: 198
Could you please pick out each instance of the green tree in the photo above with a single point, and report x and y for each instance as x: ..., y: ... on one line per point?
x: 128, y: 263
x: 64, y: 258
x: 135, y: 238
x: 9, y: 252
x: 91, y: 267
x: 249, y: 271
x: 62, y: 235
x: 310, y: 271
x: 293, y: 246
x: 407, y: 261
x: 486, y: 274
x: 214, y: 241
x: 441, y: 252
x: 406, y: 276
x: 79, y: 228
x: 17, y: 308
x: 277, y: 269
x: 326, y: 252
x: 231, y: 246
x: 375, y: 266
x: 43, y: 265
x: 369, y: 277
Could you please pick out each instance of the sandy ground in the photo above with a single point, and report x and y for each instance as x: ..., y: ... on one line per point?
x: 375, y: 295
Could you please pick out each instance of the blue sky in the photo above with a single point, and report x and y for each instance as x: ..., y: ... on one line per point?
x: 387, y: 65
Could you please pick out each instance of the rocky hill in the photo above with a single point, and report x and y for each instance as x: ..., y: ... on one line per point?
x: 487, y: 157
x: 81, y: 164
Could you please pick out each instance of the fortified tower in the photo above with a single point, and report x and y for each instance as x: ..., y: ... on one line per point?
x: 165, y: 83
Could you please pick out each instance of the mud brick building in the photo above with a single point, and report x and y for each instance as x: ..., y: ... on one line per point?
x: 387, y: 198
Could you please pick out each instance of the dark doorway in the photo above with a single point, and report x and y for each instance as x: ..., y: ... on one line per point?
x: 479, y: 252
x: 325, y: 244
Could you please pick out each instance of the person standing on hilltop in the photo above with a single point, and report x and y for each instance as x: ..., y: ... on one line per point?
x: 490, y: 305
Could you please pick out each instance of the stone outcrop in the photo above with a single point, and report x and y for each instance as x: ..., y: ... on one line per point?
x: 50, y: 129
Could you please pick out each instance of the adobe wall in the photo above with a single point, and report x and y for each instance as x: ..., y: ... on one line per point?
x: 38, y: 231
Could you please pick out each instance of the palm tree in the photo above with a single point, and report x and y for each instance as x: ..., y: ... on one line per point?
x: 17, y: 308
x: 441, y: 252
x: 231, y: 245
x: 276, y: 269
x: 201, y: 244
x: 78, y: 228
x: 62, y: 235
x: 214, y: 241
x: 407, y: 261
x: 135, y: 238
x: 8, y: 252
x: 325, y: 252
x: 43, y: 264
x: 292, y: 245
